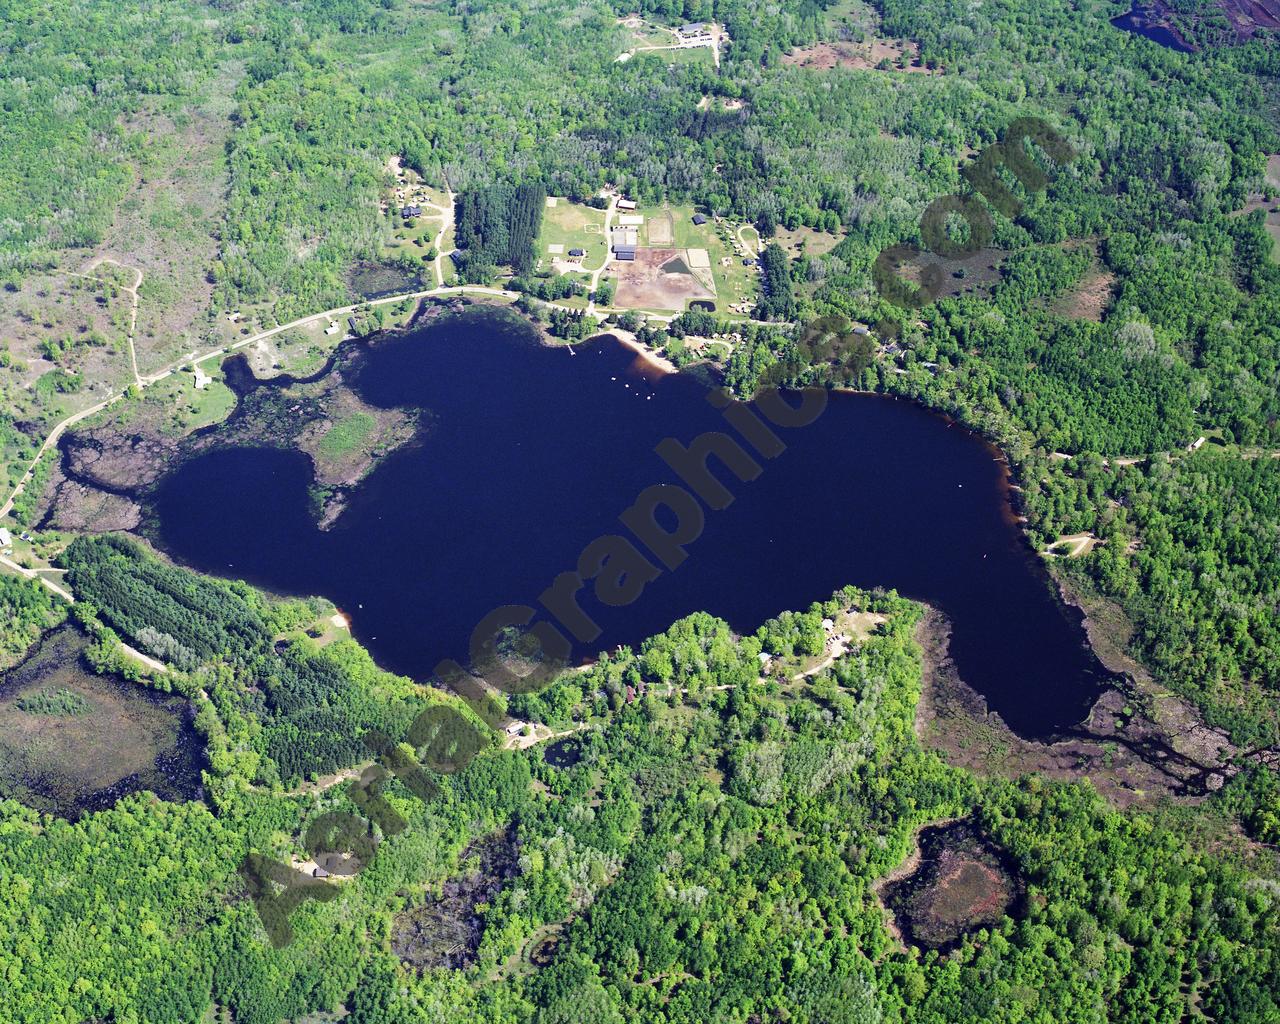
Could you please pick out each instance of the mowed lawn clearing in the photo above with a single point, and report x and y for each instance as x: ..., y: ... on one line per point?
x: 682, y: 55
x: 572, y: 226
x: 802, y: 239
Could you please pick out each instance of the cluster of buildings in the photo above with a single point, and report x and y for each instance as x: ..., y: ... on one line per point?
x: 407, y: 195
x: 625, y: 238
x: 697, y: 33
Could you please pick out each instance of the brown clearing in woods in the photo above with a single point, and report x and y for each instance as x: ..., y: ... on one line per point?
x: 825, y: 56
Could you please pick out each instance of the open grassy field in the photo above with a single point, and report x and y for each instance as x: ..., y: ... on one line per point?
x: 852, y: 19
x: 572, y: 226
x: 802, y: 239
x: 688, y: 55
x: 642, y: 32
x: 414, y: 236
x: 65, y: 332
x: 348, y: 434
x: 174, y: 406
x: 64, y: 345
x: 190, y: 407
x: 166, y: 226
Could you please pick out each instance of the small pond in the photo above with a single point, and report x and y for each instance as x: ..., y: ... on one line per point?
x: 445, y: 931
x: 563, y: 753
x: 1148, y: 23
x: 378, y: 280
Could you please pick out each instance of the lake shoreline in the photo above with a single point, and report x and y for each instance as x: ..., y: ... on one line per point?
x: 648, y: 371
x: 947, y: 487
x: 645, y: 353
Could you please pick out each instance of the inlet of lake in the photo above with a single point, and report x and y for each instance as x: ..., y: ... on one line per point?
x: 529, y: 452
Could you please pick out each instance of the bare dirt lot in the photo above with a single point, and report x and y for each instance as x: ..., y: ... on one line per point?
x: 901, y: 55
x: 1090, y: 298
x: 659, y: 279
x: 661, y: 229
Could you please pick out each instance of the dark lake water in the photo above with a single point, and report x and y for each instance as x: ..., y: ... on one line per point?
x: 532, y: 452
x: 563, y: 753
x: 1139, y: 22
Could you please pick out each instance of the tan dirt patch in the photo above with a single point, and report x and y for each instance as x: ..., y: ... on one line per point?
x: 661, y: 229
x: 655, y: 281
x: 1090, y: 298
x: 903, y: 55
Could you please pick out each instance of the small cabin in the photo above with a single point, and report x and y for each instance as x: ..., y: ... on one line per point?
x: 699, y: 219
x: 411, y: 210
x: 578, y: 253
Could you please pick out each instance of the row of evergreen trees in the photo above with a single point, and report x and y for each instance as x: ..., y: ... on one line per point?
x: 497, y: 226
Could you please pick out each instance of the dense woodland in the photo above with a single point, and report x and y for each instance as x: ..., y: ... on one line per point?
x: 27, y: 609
x: 497, y: 226
x: 713, y: 854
